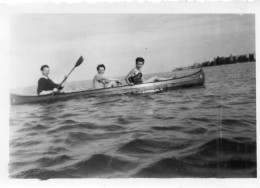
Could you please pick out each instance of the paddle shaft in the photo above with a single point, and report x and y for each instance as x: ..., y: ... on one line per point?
x: 66, y: 77
x: 80, y: 60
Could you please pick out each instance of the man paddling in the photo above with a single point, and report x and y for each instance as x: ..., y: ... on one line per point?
x: 45, y: 84
x: 100, y: 81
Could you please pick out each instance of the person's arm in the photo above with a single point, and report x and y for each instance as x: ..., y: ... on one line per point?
x: 55, y: 86
x: 113, y: 79
x: 103, y: 78
x: 128, y: 76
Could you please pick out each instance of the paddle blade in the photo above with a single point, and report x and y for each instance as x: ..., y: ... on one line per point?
x: 80, y: 60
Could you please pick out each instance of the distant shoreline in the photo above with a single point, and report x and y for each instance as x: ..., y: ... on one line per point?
x: 246, y: 58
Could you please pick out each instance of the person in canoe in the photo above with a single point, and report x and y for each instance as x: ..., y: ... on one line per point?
x: 45, y: 84
x: 134, y: 77
x: 100, y: 81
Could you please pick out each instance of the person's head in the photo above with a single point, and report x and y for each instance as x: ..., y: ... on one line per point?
x: 45, y: 70
x: 139, y: 62
x: 101, y: 69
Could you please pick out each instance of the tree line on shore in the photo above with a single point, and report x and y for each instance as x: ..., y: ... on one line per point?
x: 222, y: 61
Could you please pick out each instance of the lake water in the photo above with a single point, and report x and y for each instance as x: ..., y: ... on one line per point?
x: 195, y: 132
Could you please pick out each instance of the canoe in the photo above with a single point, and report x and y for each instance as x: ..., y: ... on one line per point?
x: 194, y: 79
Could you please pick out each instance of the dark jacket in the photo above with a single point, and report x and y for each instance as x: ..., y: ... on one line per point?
x: 46, y: 84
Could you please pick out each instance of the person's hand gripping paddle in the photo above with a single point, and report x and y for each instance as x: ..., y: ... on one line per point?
x: 78, y: 63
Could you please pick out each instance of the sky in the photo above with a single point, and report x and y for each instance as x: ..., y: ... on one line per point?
x: 165, y: 41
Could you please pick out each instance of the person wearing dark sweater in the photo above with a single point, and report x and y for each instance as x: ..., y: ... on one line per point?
x: 45, y: 84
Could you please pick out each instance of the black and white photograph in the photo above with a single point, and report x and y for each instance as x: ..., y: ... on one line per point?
x: 132, y: 95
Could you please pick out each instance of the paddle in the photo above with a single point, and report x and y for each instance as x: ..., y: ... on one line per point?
x: 78, y: 63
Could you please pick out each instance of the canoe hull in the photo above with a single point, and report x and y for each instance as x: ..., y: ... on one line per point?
x: 195, y: 79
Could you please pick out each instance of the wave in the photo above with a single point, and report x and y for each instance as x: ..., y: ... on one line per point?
x: 241, y: 123
x: 227, y: 146
x: 239, y: 102
x: 42, y: 173
x: 17, y: 165
x: 80, y: 137
x: 39, y: 127
x: 52, y: 161
x: 174, y: 167
x: 139, y: 146
x: 98, y: 165
x: 32, y: 127
x: 170, y: 167
x: 55, y: 150
x: 242, y: 139
x: 113, y: 128
x: 235, y: 122
x: 169, y: 128
x: 106, y: 101
x: 66, y: 115
x: 197, y: 130
x: 164, y: 117
x: 94, y: 126
x: 123, y: 121
x: 58, y: 140
x: 25, y: 144
x: 68, y: 122
x: 72, y: 125
x: 49, y: 118
x: 32, y: 133
x: 61, y: 129
x: 200, y: 119
x: 27, y: 124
